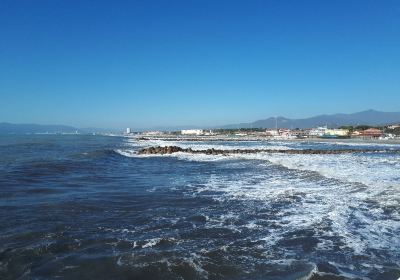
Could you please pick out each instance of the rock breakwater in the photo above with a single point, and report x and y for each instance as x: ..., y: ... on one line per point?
x: 175, y: 149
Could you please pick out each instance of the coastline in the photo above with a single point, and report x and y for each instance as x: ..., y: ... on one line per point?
x: 257, y: 138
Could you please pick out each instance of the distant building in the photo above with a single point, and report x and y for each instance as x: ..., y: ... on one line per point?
x: 128, y: 131
x: 317, y: 132
x: 393, y: 126
x: 356, y: 133
x: 337, y: 132
x: 299, y: 133
x: 285, y: 133
x: 209, y: 132
x: 272, y: 132
x: 281, y: 133
x: 192, y: 132
x: 372, y: 132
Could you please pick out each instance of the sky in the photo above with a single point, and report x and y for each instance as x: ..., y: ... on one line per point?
x: 195, y: 62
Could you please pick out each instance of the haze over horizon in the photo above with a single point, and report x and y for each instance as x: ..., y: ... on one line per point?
x: 203, y: 63
x: 366, y: 117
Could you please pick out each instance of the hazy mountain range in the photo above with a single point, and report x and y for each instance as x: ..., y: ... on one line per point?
x: 369, y: 117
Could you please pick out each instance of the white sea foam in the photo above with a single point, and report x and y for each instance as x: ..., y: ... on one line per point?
x: 314, y: 189
x: 126, y: 152
x: 312, y: 202
x: 363, y: 168
x: 361, y: 144
x: 132, y: 146
x: 151, y: 242
x: 353, y: 197
x: 316, y: 204
x: 371, y: 170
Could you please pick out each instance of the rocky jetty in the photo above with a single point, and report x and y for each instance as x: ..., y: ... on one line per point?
x: 174, y: 149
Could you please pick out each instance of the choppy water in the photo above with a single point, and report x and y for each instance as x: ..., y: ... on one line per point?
x: 86, y: 207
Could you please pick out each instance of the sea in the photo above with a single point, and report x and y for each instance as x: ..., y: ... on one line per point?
x: 89, y: 207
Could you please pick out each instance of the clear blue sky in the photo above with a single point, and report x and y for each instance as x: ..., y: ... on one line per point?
x: 148, y: 63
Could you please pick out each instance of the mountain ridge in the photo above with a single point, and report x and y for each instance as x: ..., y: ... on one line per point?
x: 367, y: 117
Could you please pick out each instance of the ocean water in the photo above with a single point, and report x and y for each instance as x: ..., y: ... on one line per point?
x: 88, y: 207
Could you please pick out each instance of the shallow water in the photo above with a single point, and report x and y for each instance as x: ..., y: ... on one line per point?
x: 88, y: 207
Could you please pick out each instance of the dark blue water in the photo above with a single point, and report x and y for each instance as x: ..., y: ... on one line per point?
x: 85, y: 207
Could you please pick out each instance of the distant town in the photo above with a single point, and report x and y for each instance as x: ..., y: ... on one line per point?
x: 322, y: 132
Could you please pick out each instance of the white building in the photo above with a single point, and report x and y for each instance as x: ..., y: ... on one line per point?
x: 394, y: 126
x: 192, y: 132
x: 128, y: 131
x: 318, y: 132
x: 281, y: 134
x: 272, y: 132
x: 209, y: 132
x: 336, y: 132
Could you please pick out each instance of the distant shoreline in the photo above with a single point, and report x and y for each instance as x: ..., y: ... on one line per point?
x: 264, y: 139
